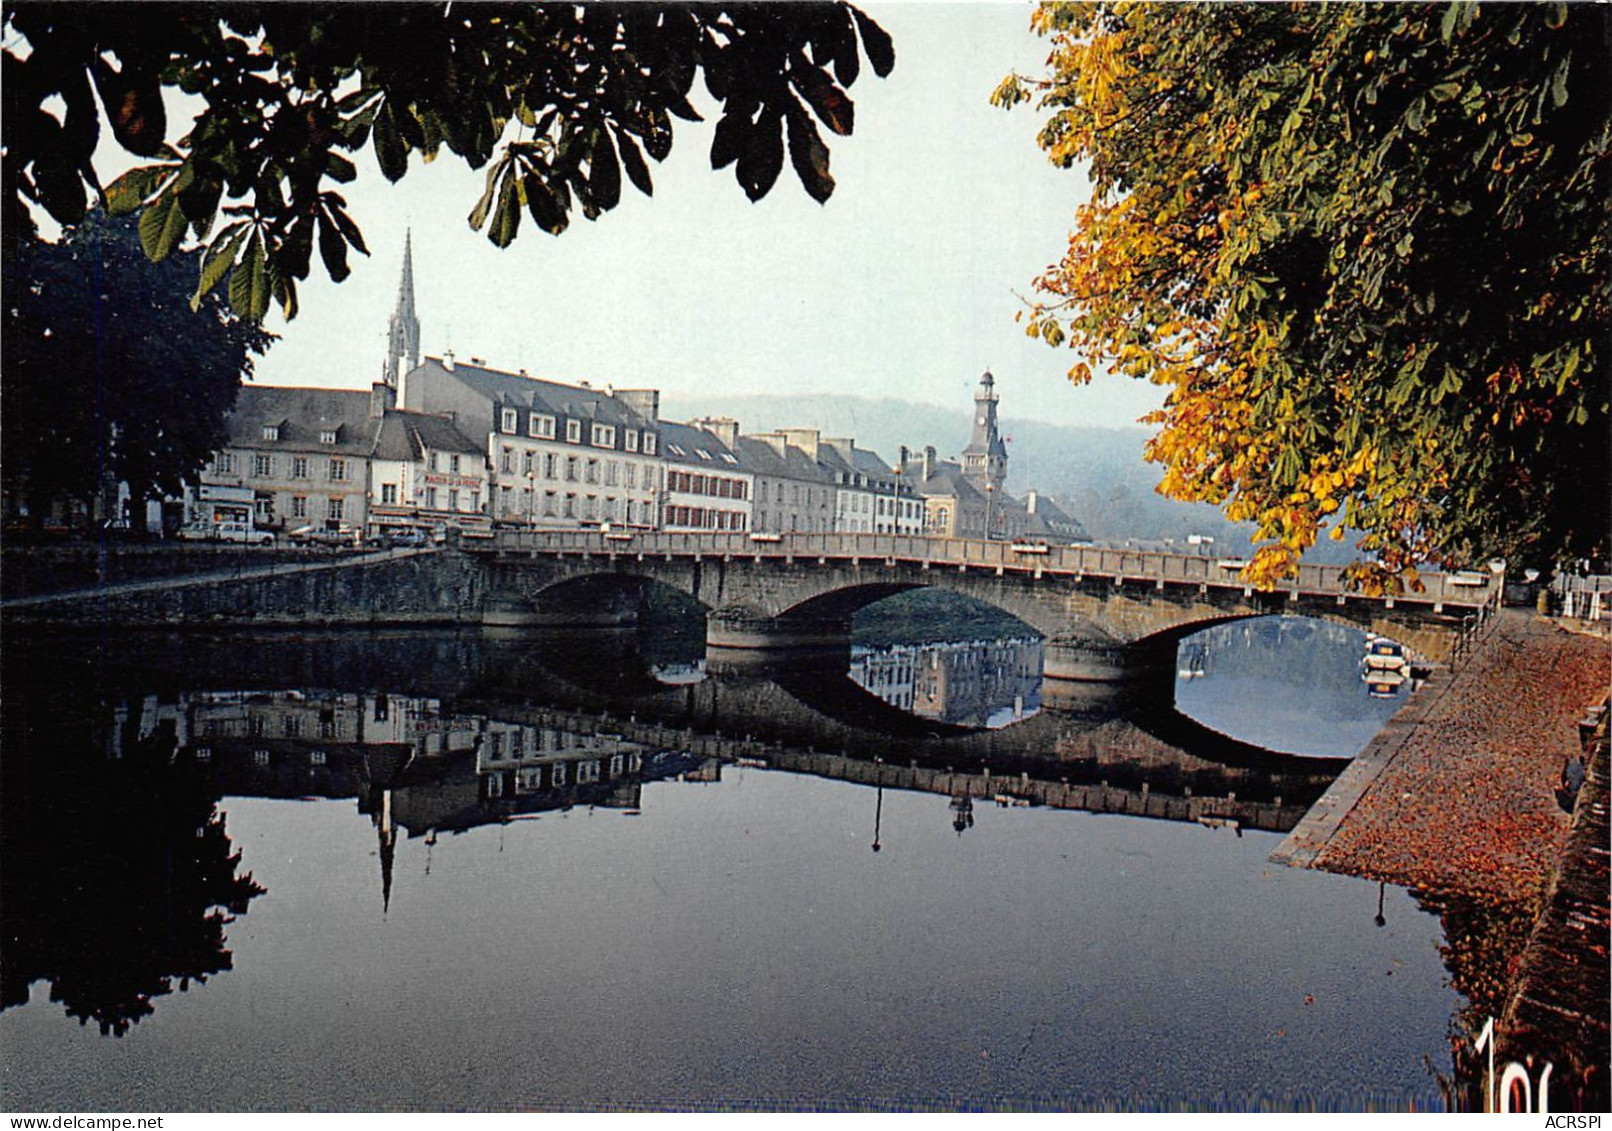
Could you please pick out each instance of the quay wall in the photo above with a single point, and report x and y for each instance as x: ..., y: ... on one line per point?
x: 429, y: 587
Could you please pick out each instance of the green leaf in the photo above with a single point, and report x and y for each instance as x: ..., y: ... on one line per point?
x: 218, y: 260
x: 162, y: 226
x: 339, y: 169
x: 809, y: 156
x: 876, y: 42
x: 633, y: 162
x: 730, y: 138
x: 507, y: 216
x: 129, y: 191
x: 762, y: 161
x: 249, y: 282
x: 604, y: 173
x: 1446, y: 27
x: 478, y: 214
x: 828, y: 101
x: 333, y: 250
x: 389, y: 150
x: 333, y: 206
x: 1445, y: 91
x: 548, y: 210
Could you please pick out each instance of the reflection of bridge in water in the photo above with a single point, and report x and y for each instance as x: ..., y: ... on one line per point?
x: 1113, y: 752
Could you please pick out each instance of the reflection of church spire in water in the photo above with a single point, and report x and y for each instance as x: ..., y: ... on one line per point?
x: 386, y: 833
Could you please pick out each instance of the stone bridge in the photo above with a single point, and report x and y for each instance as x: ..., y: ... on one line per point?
x: 1105, y: 613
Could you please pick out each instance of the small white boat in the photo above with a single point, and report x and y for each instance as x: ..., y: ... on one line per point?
x: 1385, y: 655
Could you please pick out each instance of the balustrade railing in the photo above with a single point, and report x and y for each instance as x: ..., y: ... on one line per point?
x: 1468, y: 590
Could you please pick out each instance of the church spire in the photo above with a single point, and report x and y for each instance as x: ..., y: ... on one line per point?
x: 403, y: 332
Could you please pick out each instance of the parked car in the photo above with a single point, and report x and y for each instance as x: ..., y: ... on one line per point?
x: 226, y: 532
x: 244, y: 532
x: 410, y: 536
x: 342, y: 536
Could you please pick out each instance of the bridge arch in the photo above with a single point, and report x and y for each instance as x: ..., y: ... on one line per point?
x: 1408, y: 635
x: 1105, y: 614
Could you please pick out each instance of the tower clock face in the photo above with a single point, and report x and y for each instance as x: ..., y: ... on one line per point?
x: 981, y: 420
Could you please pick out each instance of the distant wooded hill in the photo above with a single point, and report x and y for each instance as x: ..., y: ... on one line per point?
x: 1097, y: 474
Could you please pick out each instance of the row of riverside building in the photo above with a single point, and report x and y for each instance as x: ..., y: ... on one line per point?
x: 439, y: 442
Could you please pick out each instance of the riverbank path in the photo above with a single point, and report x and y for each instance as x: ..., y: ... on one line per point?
x: 1457, y: 794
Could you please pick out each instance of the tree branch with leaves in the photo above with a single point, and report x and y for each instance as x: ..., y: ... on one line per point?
x: 292, y: 92
x: 1366, y: 251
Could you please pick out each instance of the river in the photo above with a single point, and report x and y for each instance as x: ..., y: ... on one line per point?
x: 256, y: 871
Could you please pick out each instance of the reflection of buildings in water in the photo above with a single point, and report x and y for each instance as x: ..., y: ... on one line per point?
x: 976, y: 683
x: 413, y: 765
x: 886, y: 672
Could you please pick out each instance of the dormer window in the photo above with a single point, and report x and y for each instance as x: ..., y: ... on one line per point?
x: 649, y: 443
x: 507, y: 421
x: 630, y: 439
x: 271, y: 432
x: 328, y: 436
x: 726, y: 458
x: 703, y: 454
x: 604, y: 436
x: 675, y: 449
x: 573, y: 431
x: 541, y: 426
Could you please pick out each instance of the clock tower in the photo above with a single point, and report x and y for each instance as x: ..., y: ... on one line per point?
x: 985, y: 458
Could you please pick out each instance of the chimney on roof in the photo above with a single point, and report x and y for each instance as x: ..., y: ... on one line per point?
x: 929, y: 461
x: 447, y: 360
x: 806, y: 439
x: 776, y: 441
x: 381, y: 397
x: 724, y: 428
x: 645, y: 402
x: 846, y: 447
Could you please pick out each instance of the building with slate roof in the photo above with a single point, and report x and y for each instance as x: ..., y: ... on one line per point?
x: 794, y: 493
x: 883, y: 501
x: 560, y: 456
x: 424, y: 474
x: 708, y: 485
x: 967, y: 498
x: 1047, y: 520
x: 954, y: 507
x: 303, y: 454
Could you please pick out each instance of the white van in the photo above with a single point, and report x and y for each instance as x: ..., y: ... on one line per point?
x: 243, y: 532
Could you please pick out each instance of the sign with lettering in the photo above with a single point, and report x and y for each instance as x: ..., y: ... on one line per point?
x: 437, y: 479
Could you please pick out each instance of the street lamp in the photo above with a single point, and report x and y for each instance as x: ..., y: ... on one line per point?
x: 895, y: 508
x: 531, y: 496
x: 990, y: 497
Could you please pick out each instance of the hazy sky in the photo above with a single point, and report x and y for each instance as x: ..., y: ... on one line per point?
x: 902, y: 285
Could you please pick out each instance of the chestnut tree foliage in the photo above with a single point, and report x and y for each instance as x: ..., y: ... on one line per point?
x: 1365, y: 250
x: 561, y: 102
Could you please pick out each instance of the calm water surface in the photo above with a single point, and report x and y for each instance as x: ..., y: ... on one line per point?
x: 428, y: 917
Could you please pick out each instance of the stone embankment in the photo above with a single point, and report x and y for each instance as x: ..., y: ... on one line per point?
x: 1458, y: 793
x: 1458, y: 796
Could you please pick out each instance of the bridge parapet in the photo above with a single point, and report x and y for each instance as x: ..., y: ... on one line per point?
x: 1442, y: 592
